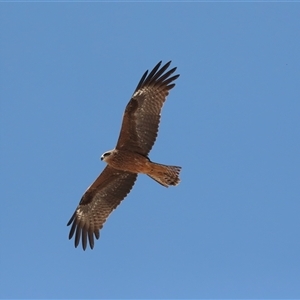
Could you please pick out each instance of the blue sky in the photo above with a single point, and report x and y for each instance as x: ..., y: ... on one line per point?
x: 231, y: 228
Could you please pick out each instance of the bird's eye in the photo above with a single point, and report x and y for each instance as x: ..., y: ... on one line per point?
x: 106, y: 154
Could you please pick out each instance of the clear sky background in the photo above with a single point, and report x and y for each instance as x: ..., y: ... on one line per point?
x: 231, y: 228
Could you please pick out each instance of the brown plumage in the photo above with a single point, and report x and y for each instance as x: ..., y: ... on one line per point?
x: 129, y: 158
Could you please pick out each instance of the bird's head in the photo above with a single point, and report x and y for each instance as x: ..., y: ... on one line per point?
x: 106, y: 155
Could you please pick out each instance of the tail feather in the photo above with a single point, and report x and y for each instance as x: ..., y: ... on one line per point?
x: 165, y: 175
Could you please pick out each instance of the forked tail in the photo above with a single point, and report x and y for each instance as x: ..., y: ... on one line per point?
x: 165, y: 175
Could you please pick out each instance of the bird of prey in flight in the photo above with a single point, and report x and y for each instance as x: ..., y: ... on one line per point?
x: 129, y: 158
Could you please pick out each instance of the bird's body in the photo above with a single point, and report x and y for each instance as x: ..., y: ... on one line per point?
x: 129, y: 158
x: 134, y: 162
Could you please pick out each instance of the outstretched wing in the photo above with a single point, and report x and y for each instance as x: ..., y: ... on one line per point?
x: 142, y: 114
x: 100, y: 199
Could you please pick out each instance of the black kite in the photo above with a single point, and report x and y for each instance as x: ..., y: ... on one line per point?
x: 129, y: 158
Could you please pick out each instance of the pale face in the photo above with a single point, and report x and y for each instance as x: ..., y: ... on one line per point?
x: 107, y: 155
